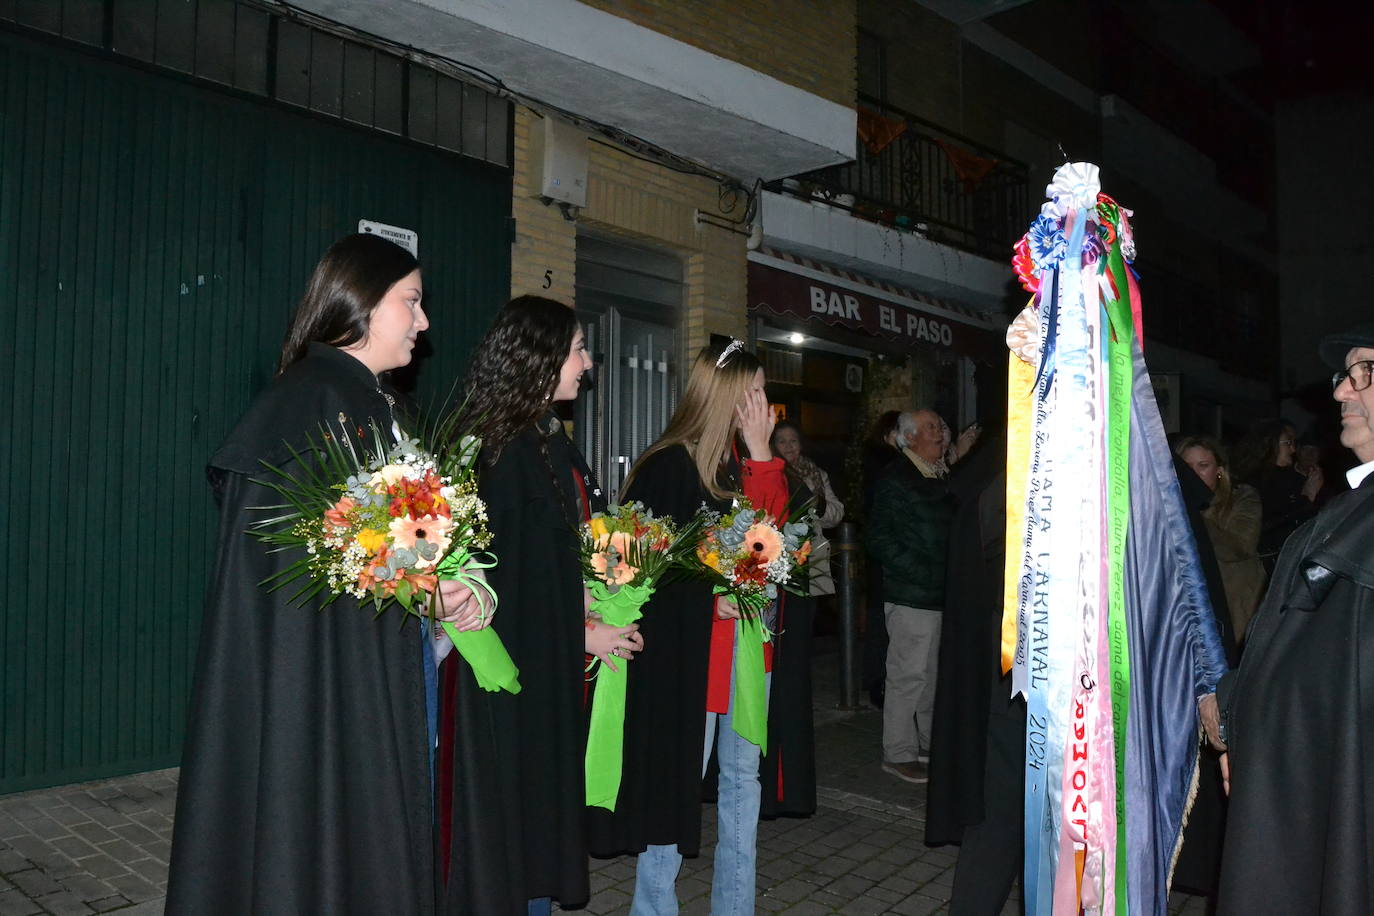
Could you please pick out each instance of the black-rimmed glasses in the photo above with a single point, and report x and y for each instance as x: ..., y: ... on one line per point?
x: 1358, y: 372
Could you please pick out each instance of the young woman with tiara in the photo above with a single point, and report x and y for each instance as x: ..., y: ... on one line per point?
x: 511, y: 790
x: 678, y: 700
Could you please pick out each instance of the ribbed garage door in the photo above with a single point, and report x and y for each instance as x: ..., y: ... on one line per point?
x: 154, y: 237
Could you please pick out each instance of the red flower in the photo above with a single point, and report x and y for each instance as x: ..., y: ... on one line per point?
x: 750, y: 570
x: 1024, y: 266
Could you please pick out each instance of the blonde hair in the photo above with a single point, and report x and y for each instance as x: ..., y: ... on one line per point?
x: 704, y: 421
x: 1221, y: 496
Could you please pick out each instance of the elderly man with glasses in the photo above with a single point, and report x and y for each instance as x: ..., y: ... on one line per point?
x: 1298, y: 714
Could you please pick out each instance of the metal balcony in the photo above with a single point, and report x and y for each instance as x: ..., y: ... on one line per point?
x: 915, y: 176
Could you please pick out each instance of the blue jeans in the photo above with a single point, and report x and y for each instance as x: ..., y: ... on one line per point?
x: 737, y: 825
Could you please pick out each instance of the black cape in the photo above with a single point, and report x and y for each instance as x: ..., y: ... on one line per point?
x: 787, y: 773
x: 665, y: 701
x: 970, y: 677
x: 305, y: 778
x: 1300, y: 833
x: 514, y: 763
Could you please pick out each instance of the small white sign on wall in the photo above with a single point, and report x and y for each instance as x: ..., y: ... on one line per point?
x: 408, y: 239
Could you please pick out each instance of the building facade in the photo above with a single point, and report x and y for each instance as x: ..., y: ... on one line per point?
x: 171, y: 172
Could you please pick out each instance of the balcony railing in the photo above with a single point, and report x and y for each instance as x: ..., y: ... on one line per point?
x: 913, y: 175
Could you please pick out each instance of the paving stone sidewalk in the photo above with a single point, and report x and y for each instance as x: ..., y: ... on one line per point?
x: 103, y: 846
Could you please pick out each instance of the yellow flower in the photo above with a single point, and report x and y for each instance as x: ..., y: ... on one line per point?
x: 598, y: 526
x: 370, y: 540
x: 712, y: 559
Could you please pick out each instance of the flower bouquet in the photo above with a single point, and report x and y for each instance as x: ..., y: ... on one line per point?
x: 625, y: 553
x: 387, y: 521
x: 747, y: 557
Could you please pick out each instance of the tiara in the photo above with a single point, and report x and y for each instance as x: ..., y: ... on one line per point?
x: 735, y: 344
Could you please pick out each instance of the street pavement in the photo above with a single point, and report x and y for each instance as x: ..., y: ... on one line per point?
x: 103, y: 846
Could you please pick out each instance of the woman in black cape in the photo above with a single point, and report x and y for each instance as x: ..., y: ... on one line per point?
x: 671, y: 684
x: 305, y: 782
x: 511, y: 766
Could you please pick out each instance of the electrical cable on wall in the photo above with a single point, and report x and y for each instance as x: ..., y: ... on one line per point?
x: 728, y: 187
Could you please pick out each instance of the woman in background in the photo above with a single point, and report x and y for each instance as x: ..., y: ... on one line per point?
x: 1233, y: 524
x: 825, y: 505
x: 1264, y: 460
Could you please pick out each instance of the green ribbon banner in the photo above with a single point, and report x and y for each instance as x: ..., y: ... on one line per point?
x: 482, y: 649
x: 1119, y: 386
x: 750, y: 700
x: 605, y: 756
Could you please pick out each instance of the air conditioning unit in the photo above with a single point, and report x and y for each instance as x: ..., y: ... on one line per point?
x: 558, y: 160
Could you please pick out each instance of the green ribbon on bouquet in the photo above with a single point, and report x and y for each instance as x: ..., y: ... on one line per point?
x: 750, y: 687
x: 482, y: 649
x: 605, y: 756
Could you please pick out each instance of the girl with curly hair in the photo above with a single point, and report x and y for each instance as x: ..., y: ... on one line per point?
x: 511, y: 766
x: 678, y: 700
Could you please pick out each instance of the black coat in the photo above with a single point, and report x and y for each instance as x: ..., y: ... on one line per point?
x: 516, y: 828
x: 305, y: 784
x: 1300, y: 834
x: 1282, y: 509
x: 665, y: 700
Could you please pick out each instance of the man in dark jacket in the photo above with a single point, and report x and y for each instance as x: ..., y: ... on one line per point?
x: 907, y: 534
x: 1297, y: 713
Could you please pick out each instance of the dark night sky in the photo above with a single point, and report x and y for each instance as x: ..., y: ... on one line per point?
x: 1310, y: 47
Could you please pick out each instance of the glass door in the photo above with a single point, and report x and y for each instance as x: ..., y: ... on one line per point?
x: 628, y: 298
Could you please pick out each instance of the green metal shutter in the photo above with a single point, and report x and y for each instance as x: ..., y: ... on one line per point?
x: 154, y: 238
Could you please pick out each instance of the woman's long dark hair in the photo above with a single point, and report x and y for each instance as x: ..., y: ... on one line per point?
x: 347, y: 284
x: 1257, y: 454
x: 513, y: 374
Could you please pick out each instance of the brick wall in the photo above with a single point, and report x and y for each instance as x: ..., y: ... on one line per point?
x: 804, y: 43
x: 642, y: 200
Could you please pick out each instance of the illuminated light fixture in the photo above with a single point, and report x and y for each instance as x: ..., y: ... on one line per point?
x: 795, y: 337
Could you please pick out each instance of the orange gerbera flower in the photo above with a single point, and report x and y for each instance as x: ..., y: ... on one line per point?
x: 406, y: 531
x: 763, y: 542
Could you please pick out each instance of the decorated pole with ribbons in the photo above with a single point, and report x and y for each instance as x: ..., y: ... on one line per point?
x: 1107, y: 628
